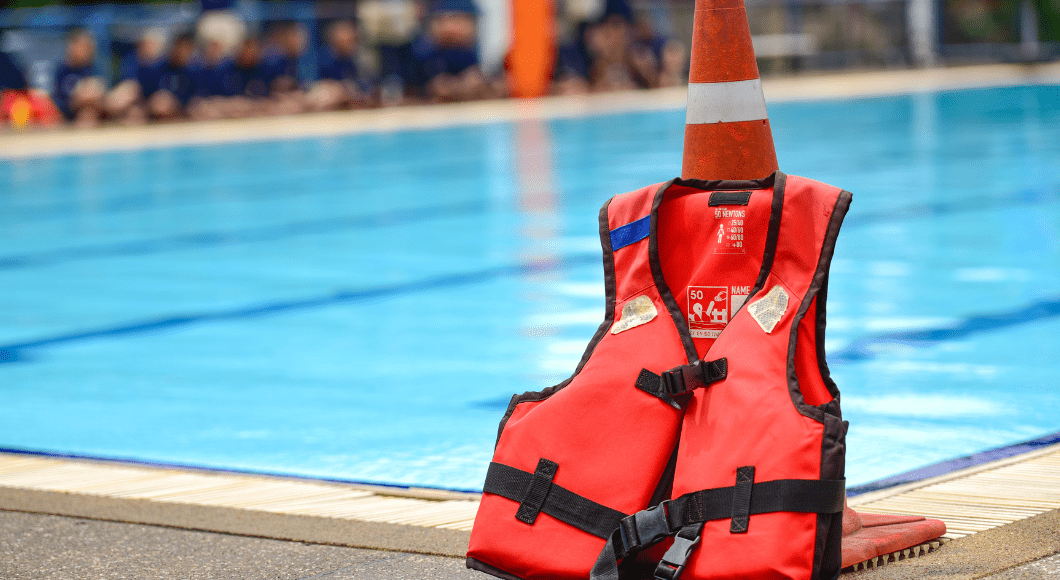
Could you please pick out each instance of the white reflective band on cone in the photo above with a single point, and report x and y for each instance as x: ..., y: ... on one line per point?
x: 725, y: 102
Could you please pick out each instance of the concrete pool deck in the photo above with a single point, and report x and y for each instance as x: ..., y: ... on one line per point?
x: 58, y: 514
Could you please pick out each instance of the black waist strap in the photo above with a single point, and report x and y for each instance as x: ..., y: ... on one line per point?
x: 558, y: 502
x: 822, y: 496
x: 648, y: 527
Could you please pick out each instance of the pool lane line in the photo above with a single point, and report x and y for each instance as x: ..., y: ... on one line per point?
x: 271, y: 233
x: 870, y: 347
x: 860, y: 350
x: 16, y: 352
x: 397, y: 217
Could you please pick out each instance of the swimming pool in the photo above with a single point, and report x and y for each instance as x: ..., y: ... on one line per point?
x: 363, y: 307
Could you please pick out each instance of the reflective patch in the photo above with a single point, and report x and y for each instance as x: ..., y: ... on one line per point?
x: 768, y: 310
x: 636, y: 312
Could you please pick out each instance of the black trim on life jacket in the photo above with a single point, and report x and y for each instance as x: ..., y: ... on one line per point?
x: 481, y: 566
x: 556, y: 501
x: 827, y: 549
x: 777, y: 181
x: 820, y: 277
x: 649, y: 527
x: 610, y: 285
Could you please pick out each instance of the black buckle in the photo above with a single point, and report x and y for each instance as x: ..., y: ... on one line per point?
x: 640, y: 530
x: 673, y: 561
x: 673, y: 381
x: 652, y: 525
x: 687, y: 378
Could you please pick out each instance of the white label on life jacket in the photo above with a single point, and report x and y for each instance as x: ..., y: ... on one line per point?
x: 636, y: 312
x: 708, y: 310
x: 768, y: 310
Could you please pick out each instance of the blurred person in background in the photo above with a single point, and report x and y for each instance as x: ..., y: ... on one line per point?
x: 178, y: 81
x: 139, y: 74
x: 656, y: 61
x: 79, y: 89
x: 220, y: 33
x: 570, y: 73
x: 216, y: 82
x: 250, y: 81
x: 626, y: 53
x: 609, y: 46
x: 449, y: 54
x: 288, y: 44
x: 11, y: 77
x: 341, y: 84
x: 394, y: 27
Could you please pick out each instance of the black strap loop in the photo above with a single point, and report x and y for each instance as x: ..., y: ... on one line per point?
x: 681, y: 380
x: 741, y: 499
x: 560, y: 503
x: 537, y: 491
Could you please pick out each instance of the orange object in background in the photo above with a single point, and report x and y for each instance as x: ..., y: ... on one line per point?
x: 23, y: 108
x: 533, y: 51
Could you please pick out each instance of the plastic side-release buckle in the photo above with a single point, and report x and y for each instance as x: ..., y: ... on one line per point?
x: 698, y: 375
x: 642, y: 529
x: 673, y: 561
x: 674, y: 381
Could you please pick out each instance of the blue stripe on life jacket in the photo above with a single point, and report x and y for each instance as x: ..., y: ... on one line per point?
x: 630, y: 233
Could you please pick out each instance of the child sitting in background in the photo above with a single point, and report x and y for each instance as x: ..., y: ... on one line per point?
x: 281, y: 69
x: 177, y: 81
x: 79, y: 90
x: 139, y: 73
x: 449, y: 58
x: 341, y: 85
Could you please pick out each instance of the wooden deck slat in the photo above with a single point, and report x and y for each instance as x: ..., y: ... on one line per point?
x: 982, y: 500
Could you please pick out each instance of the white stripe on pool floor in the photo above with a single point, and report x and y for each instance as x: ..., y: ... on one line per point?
x: 969, y: 501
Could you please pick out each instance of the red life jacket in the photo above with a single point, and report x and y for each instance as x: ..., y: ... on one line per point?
x: 704, y: 413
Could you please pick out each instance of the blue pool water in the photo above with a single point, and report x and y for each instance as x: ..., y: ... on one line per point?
x: 363, y: 307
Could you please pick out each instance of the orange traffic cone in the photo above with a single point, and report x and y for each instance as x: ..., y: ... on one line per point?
x: 727, y: 136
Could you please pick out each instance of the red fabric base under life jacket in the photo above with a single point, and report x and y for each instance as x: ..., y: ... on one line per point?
x: 708, y: 373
